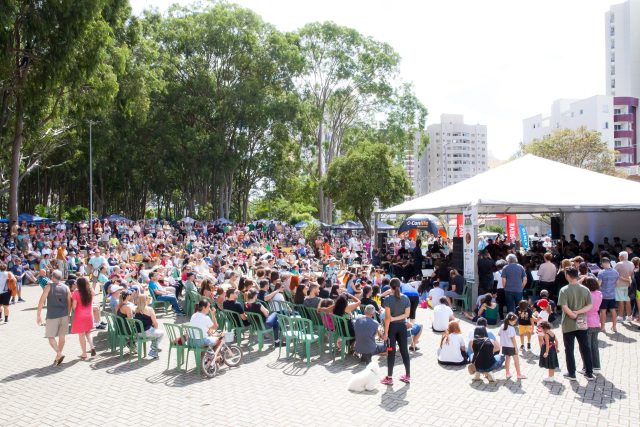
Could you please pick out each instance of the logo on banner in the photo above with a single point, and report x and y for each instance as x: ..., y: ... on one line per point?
x: 524, y: 236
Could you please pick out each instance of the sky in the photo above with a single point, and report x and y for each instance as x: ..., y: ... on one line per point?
x: 494, y: 61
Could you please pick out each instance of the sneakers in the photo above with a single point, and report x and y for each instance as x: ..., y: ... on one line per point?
x: 522, y: 347
x: 548, y: 380
x: 590, y: 377
x: 21, y: 300
x: 628, y: 319
x: 93, y: 352
x: 13, y: 301
x: 101, y: 326
x: 386, y: 381
x: 596, y: 369
x: 405, y: 379
x: 570, y: 377
x: 619, y: 318
x: 528, y: 346
x: 154, y: 354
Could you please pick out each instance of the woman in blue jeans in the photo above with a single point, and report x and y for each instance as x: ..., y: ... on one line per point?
x: 270, y: 319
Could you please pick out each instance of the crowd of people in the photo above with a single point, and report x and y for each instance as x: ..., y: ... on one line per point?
x: 127, y: 268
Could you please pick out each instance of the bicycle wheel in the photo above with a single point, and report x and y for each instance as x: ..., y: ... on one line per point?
x: 232, y: 355
x: 209, y: 365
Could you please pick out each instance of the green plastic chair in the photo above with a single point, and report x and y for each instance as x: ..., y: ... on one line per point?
x: 263, y: 303
x: 174, y: 332
x: 286, y: 333
x: 259, y: 328
x: 279, y: 307
x: 111, y: 331
x: 235, y: 324
x: 221, y: 318
x: 330, y: 329
x: 341, y: 325
x: 303, y: 334
x: 164, y: 304
x: 316, y: 319
x: 195, y: 343
x: 288, y: 295
x: 191, y: 299
x: 465, y: 297
x: 138, y: 337
x: 123, y: 333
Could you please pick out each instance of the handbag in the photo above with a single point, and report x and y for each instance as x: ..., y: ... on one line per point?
x: 581, y: 322
x: 471, y: 366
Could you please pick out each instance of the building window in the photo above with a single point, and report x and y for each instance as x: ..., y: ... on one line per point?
x: 581, y: 111
x: 613, y: 57
x: 613, y: 70
x: 606, y: 125
x: 613, y: 83
x: 613, y: 43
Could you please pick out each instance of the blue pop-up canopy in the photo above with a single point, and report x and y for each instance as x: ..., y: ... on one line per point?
x: 31, y: 218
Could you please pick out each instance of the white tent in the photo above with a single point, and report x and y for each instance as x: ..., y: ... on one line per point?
x: 530, y: 184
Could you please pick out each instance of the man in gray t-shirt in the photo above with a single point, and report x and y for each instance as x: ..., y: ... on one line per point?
x: 58, y: 300
x: 514, y: 279
x: 366, y: 329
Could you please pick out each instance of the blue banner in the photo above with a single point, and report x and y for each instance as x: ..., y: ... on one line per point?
x: 524, y: 237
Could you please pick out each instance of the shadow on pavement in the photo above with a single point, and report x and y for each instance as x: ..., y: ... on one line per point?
x: 392, y: 400
x: 39, y: 372
x: 599, y: 393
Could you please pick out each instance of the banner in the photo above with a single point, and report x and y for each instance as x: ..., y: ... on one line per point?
x: 524, y: 237
x: 512, y: 227
x: 459, y: 225
x: 469, y: 241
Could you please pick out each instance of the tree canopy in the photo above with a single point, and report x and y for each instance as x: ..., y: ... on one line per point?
x: 582, y: 148
x: 204, y: 111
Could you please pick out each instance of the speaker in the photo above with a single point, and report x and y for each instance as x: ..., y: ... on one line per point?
x: 457, y: 256
x: 382, y: 240
x: 556, y: 227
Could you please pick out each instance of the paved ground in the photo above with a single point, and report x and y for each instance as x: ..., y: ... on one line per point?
x: 108, y: 390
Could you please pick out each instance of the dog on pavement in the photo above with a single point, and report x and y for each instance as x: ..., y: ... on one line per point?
x: 365, y: 380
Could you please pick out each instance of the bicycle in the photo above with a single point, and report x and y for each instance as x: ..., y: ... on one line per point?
x: 229, y: 354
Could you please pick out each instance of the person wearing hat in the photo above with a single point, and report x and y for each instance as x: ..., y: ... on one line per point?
x: 114, y: 296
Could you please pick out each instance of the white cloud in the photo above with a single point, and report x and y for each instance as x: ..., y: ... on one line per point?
x: 495, y: 61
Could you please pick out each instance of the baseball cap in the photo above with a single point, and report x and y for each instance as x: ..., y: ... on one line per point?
x: 543, y: 303
x: 115, y: 288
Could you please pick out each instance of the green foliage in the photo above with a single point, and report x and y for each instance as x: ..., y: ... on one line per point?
x: 283, y: 209
x: 495, y: 228
x: 311, y: 231
x: 365, y: 175
x: 43, y: 211
x: 76, y: 214
x: 582, y: 148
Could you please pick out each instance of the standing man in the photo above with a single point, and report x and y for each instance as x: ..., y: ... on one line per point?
x: 547, y: 275
x: 485, y: 272
x: 514, y: 279
x: 625, y: 269
x: 575, y: 300
x: 608, y: 277
x: 58, y: 300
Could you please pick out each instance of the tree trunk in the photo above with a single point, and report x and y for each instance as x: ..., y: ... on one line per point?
x: 15, y: 160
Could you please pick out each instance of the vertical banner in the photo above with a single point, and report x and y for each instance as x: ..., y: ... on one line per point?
x: 512, y: 227
x: 459, y: 225
x: 524, y: 237
x: 470, y: 245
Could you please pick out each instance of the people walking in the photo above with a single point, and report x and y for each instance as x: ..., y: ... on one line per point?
x: 58, y: 299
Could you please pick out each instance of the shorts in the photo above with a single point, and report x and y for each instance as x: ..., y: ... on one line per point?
x: 608, y: 304
x: 622, y: 294
x: 58, y: 327
x: 638, y: 295
x: 5, y: 298
x: 508, y: 351
x: 415, y: 330
x: 525, y: 329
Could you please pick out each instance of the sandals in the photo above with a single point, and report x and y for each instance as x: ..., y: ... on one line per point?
x: 59, y: 361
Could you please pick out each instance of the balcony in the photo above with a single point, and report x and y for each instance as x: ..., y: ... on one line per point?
x: 626, y: 150
x: 627, y: 117
x: 623, y: 134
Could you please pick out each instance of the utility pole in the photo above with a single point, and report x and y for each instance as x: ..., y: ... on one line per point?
x: 90, y: 184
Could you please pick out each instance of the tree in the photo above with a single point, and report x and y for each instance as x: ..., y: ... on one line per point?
x: 366, y: 174
x: 350, y: 81
x: 51, y: 53
x: 582, y: 148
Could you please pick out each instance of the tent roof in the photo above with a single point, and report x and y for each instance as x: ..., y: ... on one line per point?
x: 510, y: 188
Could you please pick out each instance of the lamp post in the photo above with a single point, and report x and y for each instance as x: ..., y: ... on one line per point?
x: 90, y: 184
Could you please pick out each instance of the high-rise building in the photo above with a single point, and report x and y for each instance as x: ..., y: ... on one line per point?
x: 622, y: 49
x: 456, y: 151
x: 614, y: 117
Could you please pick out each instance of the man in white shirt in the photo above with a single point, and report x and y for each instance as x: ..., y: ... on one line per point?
x: 435, y: 294
x: 442, y: 315
x: 201, y: 320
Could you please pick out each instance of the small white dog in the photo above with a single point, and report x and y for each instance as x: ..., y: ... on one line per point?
x: 365, y: 380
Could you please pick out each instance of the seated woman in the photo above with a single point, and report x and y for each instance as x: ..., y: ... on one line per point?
x: 270, y: 319
x: 367, y: 291
x: 147, y: 316
x: 206, y: 288
x: 488, y: 310
x: 452, y: 350
x: 300, y: 294
x: 456, y: 284
x: 484, y: 361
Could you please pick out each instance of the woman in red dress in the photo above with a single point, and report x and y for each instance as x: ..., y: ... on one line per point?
x: 82, y: 304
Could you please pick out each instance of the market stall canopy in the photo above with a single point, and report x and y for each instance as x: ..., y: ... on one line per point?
x: 188, y: 220
x: 31, y: 218
x: 425, y: 222
x: 507, y: 189
x: 300, y: 225
x: 115, y: 217
x: 383, y: 226
x: 349, y: 225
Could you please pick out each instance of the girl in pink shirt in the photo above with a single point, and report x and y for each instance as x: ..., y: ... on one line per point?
x: 593, y: 320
